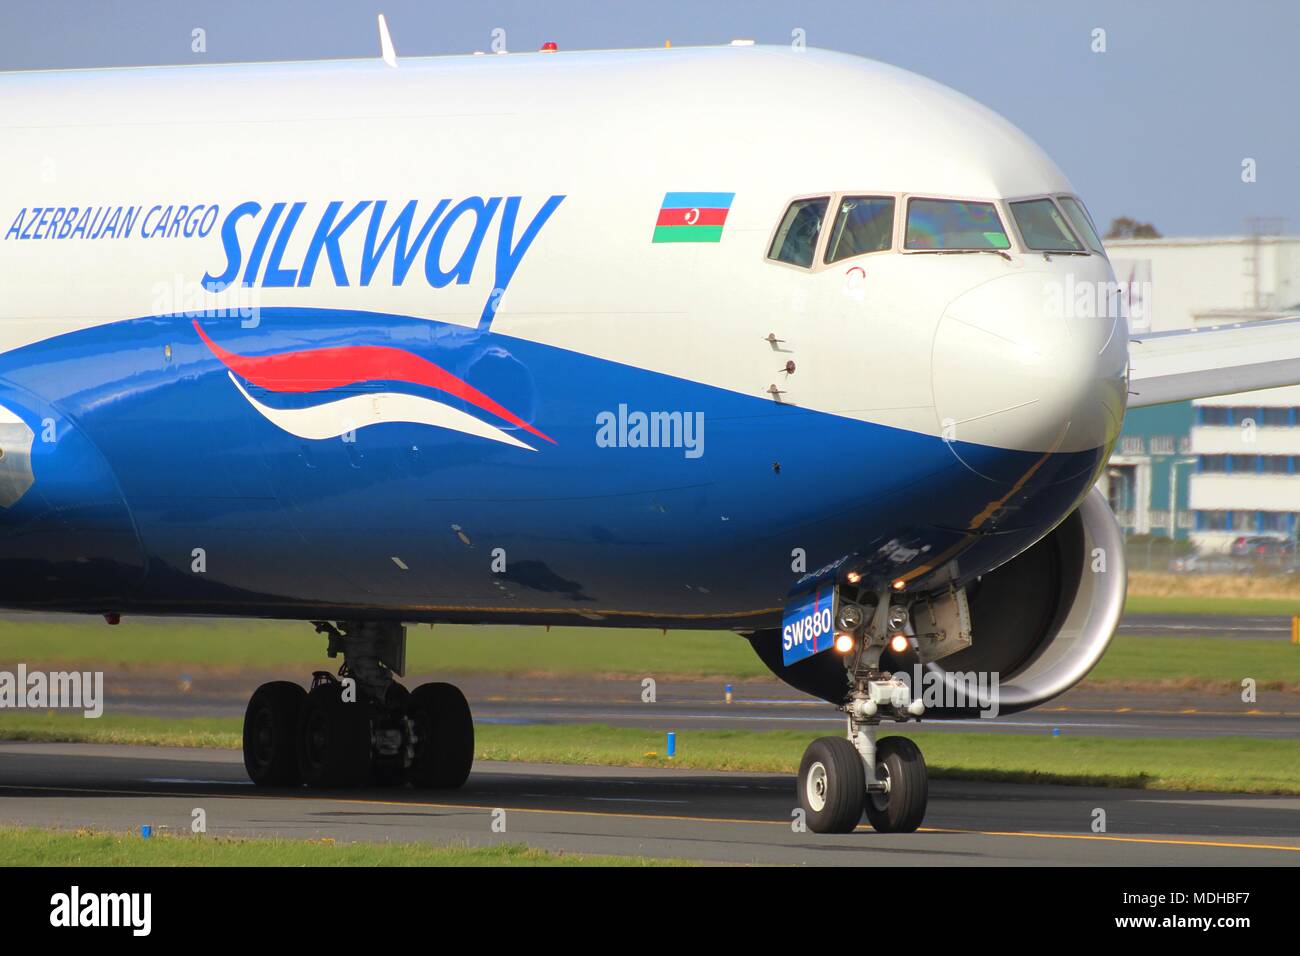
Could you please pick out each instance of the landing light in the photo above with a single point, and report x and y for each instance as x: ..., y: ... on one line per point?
x: 844, y: 643
x: 899, y: 584
x: 898, y: 643
x: 850, y: 617
x: 853, y: 577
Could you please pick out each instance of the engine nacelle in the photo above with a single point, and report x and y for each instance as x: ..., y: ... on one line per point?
x: 1038, y: 624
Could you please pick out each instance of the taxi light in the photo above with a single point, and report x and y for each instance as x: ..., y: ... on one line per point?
x: 844, y: 643
x: 853, y: 577
x: 898, y: 643
x: 899, y: 584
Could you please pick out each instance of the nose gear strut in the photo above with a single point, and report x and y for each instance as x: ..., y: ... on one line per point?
x: 839, y: 778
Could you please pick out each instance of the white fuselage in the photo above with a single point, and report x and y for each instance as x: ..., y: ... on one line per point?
x: 982, y: 350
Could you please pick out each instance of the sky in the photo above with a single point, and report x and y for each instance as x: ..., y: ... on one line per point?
x: 1156, y: 126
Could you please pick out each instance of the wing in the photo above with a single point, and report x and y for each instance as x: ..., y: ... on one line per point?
x: 1199, y: 363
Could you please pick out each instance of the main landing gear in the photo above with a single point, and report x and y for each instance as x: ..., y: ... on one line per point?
x: 361, y: 727
x: 840, y: 778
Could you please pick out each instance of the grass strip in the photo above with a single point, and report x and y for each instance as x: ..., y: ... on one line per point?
x: 28, y: 846
x: 1221, y: 764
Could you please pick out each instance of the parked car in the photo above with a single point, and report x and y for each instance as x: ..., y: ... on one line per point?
x: 1211, y: 564
x: 1263, y: 546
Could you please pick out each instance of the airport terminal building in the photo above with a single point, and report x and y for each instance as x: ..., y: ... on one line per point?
x: 1219, y: 468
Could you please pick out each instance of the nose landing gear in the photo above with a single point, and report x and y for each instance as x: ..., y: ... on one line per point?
x: 900, y: 807
x: 361, y: 727
x: 835, y: 787
x: 832, y: 785
x: 840, y: 778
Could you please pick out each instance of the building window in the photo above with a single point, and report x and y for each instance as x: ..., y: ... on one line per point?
x: 1275, y: 416
x: 1212, y: 520
x: 1274, y: 520
x: 1215, y: 415
x: 1214, y: 463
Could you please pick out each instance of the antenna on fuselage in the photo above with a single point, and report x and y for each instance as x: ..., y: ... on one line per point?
x: 386, y: 51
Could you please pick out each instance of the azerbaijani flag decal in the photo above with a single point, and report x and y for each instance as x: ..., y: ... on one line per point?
x: 692, y: 217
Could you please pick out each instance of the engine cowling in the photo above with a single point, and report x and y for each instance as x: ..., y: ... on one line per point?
x: 1039, y: 623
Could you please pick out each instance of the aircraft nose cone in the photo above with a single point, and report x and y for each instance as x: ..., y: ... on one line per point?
x: 1031, y: 363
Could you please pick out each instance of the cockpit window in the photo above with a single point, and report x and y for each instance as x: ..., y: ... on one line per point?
x: 1043, y: 227
x: 1082, y: 223
x: 796, y: 239
x: 947, y: 224
x: 863, y: 224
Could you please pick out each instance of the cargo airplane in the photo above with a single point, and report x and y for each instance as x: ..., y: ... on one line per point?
x: 779, y: 342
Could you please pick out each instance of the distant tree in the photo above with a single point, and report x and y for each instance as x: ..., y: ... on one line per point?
x: 1126, y: 228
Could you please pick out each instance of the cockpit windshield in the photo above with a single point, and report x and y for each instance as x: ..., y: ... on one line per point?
x: 795, y: 241
x: 1043, y: 227
x: 940, y: 225
x: 845, y: 225
x: 864, y: 224
x: 1082, y: 223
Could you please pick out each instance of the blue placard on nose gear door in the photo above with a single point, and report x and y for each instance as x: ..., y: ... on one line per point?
x: 808, y: 626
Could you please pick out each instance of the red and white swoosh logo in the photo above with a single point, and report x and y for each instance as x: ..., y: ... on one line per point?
x: 314, y: 370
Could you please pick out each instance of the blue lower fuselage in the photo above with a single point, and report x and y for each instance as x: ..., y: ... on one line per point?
x: 158, y: 488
